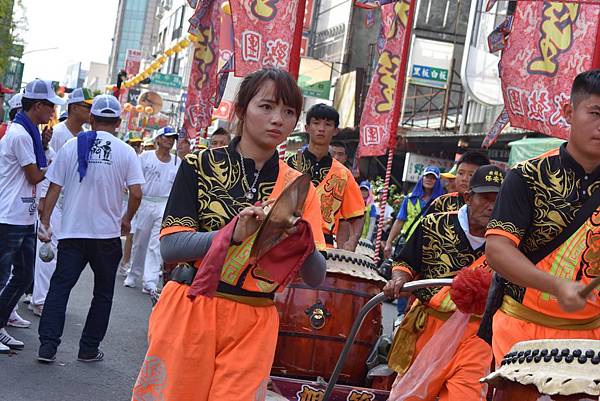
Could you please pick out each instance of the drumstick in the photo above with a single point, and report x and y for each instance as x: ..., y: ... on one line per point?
x: 590, y: 287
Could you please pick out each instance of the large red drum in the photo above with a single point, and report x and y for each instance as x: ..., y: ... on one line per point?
x: 549, y: 370
x: 315, y: 322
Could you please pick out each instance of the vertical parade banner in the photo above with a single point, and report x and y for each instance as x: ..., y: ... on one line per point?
x: 266, y: 34
x: 205, y: 25
x: 381, y: 112
x: 549, y: 44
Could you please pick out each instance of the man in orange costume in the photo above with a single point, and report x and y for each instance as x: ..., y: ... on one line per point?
x: 442, y: 245
x: 544, y: 235
x: 342, y: 205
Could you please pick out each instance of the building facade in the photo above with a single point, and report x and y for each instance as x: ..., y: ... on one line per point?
x: 136, y: 28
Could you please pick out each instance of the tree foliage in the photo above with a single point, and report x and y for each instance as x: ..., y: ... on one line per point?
x: 8, y: 28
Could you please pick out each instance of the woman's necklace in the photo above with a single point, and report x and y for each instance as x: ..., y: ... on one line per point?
x: 251, y: 188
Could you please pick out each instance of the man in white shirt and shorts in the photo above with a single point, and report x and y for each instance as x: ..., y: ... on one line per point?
x: 159, y: 167
x: 93, y: 171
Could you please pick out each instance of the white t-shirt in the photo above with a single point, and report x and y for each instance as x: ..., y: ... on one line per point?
x: 17, y: 196
x: 159, y: 176
x: 463, y: 219
x: 42, y: 187
x: 60, y: 136
x: 93, y: 207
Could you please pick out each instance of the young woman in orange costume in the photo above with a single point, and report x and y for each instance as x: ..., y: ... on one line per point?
x: 220, y: 345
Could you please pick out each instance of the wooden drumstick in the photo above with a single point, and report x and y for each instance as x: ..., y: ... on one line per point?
x: 590, y: 287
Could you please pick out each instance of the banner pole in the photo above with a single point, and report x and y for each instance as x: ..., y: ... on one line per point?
x: 596, y: 58
x: 399, y: 95
x: 297, y: 42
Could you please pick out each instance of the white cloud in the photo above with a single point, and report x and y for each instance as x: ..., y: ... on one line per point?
x: 82, y: 30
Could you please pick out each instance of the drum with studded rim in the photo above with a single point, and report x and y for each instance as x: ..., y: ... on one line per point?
x: 549, y: 370
x: 315, y: 322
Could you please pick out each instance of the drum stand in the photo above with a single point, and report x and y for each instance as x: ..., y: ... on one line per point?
x: 373, y: 302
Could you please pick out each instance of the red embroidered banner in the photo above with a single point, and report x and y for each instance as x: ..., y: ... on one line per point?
x: 381, y: 112
x: 550, y: 43
x: 267, y: 34
x: 205, y: 24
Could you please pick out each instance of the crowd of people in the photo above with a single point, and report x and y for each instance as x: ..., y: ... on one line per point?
x: 80, y: 189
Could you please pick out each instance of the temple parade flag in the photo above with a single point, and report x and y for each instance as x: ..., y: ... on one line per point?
x: 205, y: 24
x: 381, y: 111
x: 267, y: 34
x: 549, y: 44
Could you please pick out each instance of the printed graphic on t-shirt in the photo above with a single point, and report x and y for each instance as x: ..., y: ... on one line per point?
x: 100, y: 153
x: 151, y: 172
x: 32, y: 204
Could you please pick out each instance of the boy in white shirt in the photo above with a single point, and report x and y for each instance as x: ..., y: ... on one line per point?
x: 93, y: 171
x: 22, y: 161
x: 160, y: 168
x: 79, y: 104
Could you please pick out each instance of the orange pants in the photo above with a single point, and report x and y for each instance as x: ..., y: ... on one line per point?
x: 509, y: 331
x: 207, y: 349
x: 459, y: 379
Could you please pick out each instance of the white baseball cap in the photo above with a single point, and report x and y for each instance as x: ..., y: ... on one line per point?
x: 15, y: 101
x: 106, y: 106
x: 39, y: 89
x: 80, y: 95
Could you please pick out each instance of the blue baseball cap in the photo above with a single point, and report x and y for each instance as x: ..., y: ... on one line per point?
x: 166, y: 131
x: 365, y: 184
x: 431, y: 170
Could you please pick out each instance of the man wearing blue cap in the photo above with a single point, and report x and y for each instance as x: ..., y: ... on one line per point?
x: 93, y: 171
x: 428, y: 188
x: 160, y: 168
x: 22, y: 165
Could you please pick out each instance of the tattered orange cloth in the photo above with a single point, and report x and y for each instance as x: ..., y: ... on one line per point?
x: 458, y: 378
x: 219, y: 344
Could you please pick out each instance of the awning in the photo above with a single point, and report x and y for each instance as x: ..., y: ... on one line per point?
x: 528, y: 148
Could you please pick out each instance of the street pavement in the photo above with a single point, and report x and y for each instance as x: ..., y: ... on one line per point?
x: 25, y: 379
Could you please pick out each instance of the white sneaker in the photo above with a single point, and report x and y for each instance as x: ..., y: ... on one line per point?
x: 128, y: 282
x: 148, y: 290
x: 17, y: 321
x: 27, y: 298
x: 36, y: 309
x: 4, y: 349
x: 10, y: 341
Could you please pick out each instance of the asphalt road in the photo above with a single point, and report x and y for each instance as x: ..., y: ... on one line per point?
x: 25, y: 379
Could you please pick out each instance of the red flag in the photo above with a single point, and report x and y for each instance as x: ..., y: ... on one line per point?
x: 550, y: 43
x: 203, y: 79
x: 381, y: 112
x: 267, y: 34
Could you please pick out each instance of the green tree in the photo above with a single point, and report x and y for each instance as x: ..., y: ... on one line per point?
x: 8, y: 28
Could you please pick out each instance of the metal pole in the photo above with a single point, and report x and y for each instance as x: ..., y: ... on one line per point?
x: 383, y: 201
x: 447, y: 97
x: 398, y: 103
x: 372, y: 303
